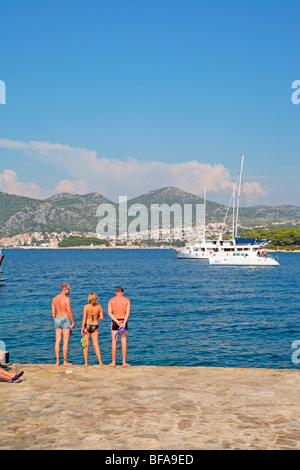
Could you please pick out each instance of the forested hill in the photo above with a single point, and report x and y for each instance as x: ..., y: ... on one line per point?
x: 74, y: 212
x: 62, y: 212
x: 280, y: 237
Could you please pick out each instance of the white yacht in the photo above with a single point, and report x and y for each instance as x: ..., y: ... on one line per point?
x: 244, y: 252
x: 201, y: 249
x: 253, y: 257
x: 236, y: 249
x: 208, y: 248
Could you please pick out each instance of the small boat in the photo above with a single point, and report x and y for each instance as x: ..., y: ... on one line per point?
x: 1, y: 261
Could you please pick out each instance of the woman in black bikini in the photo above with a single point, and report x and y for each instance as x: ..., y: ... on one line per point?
x: 90, y: 326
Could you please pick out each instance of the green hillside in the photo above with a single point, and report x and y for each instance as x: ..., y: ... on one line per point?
x: 74, y: 212
x: 82, y: 241
x: 284, y: 237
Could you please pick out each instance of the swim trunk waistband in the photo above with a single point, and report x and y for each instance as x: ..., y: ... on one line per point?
x: 62, y: 323
x: 115, y: 326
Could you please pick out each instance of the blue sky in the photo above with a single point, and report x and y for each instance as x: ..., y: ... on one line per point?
x: 122, y: 97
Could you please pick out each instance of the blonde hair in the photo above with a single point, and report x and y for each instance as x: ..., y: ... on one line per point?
x: 93, y: 299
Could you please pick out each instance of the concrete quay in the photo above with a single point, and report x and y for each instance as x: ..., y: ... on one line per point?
x: 150, y: 408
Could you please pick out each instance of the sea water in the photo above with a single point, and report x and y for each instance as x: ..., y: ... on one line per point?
x: 183, y: 312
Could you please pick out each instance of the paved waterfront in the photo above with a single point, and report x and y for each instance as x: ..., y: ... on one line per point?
x: 155, y: 408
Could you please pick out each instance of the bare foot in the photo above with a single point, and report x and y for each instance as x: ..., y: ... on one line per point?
x: 101, y: 364
x: 126, y: 365
x: 57, y: 364
x: 112, y: 365
x: 67, y: 364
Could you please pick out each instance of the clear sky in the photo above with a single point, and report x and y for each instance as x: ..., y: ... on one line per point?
x: 125, y: 96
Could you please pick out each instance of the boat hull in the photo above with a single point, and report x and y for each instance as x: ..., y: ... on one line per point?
x: 242, y: 261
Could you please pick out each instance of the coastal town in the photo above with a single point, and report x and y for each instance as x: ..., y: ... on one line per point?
x: 138, y: 239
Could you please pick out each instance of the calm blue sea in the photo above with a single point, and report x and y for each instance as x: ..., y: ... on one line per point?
x: 184, y: 312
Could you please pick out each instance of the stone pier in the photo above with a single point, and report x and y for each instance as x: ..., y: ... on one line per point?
x: 150, y: 408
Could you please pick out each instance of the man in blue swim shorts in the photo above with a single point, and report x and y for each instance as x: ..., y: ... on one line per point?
x: 63, y: 321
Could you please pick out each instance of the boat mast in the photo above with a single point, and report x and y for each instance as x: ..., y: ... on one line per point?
x: 233, y: 210
x: 239, y: 195
x: 204, y: 212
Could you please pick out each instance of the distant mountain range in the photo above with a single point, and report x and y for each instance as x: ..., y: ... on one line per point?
x: 74, y: 212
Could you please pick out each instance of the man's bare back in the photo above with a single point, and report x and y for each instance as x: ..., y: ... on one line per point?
x: 119, y: 306
x: 119, y: 311
x: 63, y: 321
x: 62, y: 305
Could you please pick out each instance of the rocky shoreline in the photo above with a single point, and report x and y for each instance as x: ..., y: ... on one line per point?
x: 156, y: 408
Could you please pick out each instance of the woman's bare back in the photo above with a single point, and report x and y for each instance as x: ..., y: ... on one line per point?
x: 93, y: 312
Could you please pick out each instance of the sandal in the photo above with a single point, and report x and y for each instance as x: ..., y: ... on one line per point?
x: 17, y: 376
